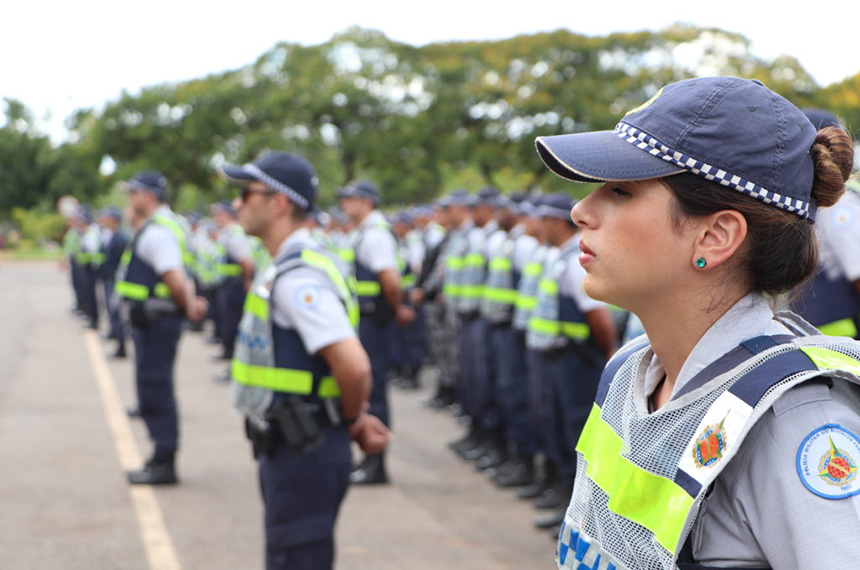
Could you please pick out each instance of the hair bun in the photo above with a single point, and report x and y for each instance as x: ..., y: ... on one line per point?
x: 833, y: 155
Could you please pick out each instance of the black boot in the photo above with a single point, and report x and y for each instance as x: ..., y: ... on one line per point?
x: 470, y: 440
x: 546, y: 479
x: 156, y: 471
x: 496, y: 454
x: 552, y: 519
x: 436, y: 402
x: 370, y: 472
x: 120, y: 350
x: 519, y: 473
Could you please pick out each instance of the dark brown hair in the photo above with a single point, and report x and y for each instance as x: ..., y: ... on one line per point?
x: 781, y: 250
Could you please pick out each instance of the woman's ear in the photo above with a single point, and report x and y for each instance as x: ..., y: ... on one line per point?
x: 720, y: 235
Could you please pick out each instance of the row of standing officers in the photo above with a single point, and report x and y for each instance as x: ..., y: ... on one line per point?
x: 494, y: 279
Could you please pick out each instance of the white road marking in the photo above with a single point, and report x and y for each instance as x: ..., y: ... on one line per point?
x: 153, y: 533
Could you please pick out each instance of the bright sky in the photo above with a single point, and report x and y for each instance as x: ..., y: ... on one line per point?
x: 60, y: 56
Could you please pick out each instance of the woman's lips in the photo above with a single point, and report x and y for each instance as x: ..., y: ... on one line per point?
x: 586, y: 255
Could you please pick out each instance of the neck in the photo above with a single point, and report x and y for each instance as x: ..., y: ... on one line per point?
x: 359, y: 219
x: 675, y: 324
x: 279, y: 231
x: 150, y: 209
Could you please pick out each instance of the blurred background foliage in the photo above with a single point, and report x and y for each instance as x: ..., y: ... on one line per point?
x: 418, y: 120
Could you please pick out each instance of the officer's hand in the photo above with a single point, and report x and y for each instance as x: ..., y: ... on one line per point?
x: 197, y: 309
x: 370, y: 434
x: 417, y: 296
x: 405, y: 315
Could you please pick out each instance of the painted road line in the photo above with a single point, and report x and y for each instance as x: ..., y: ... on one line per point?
x: 153, y: 533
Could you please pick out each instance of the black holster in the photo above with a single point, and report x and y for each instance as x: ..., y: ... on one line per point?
x: 142, y: 312
x: 292, y: 422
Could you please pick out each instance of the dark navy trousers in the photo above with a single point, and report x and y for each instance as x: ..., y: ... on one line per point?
x: 88, y: 294
x: 376, y: 339
x: 512, y: 388
x: 155, y: 345
x: 409, y: 344
x: 76, y: 270
x: 571, y: 379
x: 117, y: 331
x: 302, y: 495
x: 466, y: 337
x: 230, y: 297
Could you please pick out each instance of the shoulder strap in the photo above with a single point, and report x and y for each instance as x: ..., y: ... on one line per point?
x: 615, y: 364
x: 326, y: 264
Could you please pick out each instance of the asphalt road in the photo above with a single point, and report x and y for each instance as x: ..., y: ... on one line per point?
x: 65, y: 444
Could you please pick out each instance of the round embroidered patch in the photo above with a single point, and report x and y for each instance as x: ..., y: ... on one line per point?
x: 307, y: 296
x: 827, y: 462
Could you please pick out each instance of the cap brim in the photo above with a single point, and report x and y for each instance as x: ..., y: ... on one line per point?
x: 600, y: 156
x: 236, y: 174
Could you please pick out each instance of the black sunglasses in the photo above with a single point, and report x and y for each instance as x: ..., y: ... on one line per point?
x: 246, y: 192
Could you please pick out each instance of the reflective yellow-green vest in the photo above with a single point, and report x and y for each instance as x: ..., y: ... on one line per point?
x: 368, y: 287
x: 140, y: 281
x: 556, y: 319
x: 500, y: 289
x: 526, y: 299
x: 641, y: 478
x: 268, y: 357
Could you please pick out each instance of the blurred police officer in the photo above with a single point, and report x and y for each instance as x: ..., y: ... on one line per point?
x: 236, y: 269
x: 831, y: 301
x: 72, y: 253
x: 114, y: 242
x: 90, y: 258
x: 159, y: 294
x: 428, y: 295
x: 296, y: 354
x: 380, y: 300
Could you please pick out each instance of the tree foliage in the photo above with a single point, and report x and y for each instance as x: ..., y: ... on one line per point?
x: 417, y: 120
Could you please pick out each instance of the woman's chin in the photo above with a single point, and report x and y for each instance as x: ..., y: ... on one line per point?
x: 595, y: 288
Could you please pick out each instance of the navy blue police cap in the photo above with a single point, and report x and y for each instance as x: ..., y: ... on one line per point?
x: 461, y: 197
x: 733, y: 131
x: 284, y: 172
x: 364, y: 189
x: 111, y: 212
x: 556, y: 205
x: 149, y: 180
x: 489, y: 196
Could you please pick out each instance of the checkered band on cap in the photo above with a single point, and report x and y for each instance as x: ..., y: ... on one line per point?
x: 653, y: 146
x: 275, y: 184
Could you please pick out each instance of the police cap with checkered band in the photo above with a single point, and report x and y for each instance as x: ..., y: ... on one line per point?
x: 284, y: 172
x: 734, y: 131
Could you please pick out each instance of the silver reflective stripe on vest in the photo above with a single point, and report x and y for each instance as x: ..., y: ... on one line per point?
x: 454, y: 255
x: 257, y: 349
x: 527, y: 291
x: 641, y: 479
x: 543, y: 332
x: 497, y: 304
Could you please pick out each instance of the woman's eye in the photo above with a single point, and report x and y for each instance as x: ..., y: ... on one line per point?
x: 620, y: 191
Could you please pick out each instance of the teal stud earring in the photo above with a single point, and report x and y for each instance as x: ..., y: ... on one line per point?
x: 700, y: 263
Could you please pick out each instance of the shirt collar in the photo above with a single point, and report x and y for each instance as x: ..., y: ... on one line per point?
x: 748, y: 318
x: 374, y: 218
x: 295, y: 240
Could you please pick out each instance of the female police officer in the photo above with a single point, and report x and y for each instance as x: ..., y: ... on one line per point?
x: 726, y: 437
